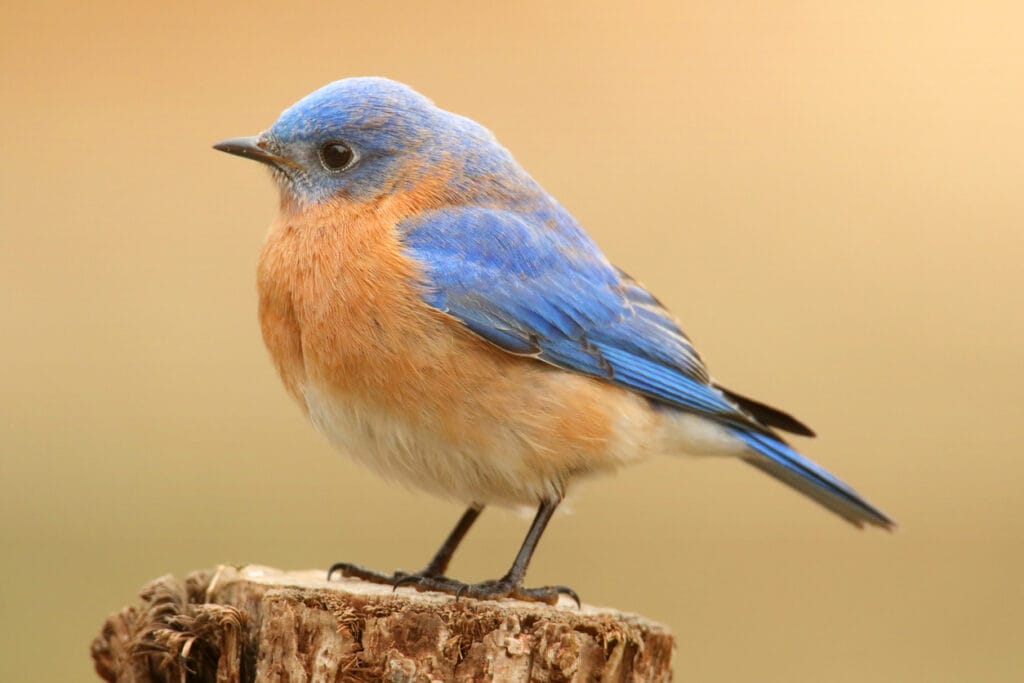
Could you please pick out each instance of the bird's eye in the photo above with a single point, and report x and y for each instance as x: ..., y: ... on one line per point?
x: 337, y: 156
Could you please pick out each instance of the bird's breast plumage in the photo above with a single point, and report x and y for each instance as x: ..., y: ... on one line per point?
x: 407, y: 389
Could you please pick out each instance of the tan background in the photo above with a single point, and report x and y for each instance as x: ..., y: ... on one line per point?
x: 829, y: 198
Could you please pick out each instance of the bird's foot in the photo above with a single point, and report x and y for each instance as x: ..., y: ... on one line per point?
x: 395, y: 580
x: 488, y: 590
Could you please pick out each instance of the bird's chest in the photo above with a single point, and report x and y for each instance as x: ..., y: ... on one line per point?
x: 409, y: 391
x: 380, y: 373
x: 340, y: 307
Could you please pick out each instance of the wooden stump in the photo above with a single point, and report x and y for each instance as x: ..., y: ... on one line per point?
x: 262, y: 624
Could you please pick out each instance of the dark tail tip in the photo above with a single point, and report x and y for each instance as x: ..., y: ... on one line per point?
x: 766, y: 415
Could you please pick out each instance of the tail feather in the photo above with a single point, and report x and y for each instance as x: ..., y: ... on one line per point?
x: 791, y: 468
x: 767, y: 415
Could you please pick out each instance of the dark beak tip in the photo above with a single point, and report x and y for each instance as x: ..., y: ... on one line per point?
x: 241, y: 146
x: 248, y: 147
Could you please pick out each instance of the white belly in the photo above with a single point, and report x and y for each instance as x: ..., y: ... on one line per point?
x: 512, y: 468
x: 419, y: 457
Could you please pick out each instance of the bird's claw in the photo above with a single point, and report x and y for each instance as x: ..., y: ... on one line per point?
x: 357, y: 572
x: 493, y: 590
x: 426, y: 581
x: 398, y: 578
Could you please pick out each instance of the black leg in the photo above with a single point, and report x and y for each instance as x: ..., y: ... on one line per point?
x: 439, y: 565
x: 517, y: 572
x: 434, y: 570
x: 510, y: 585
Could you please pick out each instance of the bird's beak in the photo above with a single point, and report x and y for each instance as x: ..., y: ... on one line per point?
x: 252, y: 148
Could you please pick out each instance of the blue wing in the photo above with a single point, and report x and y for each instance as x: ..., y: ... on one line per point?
x: 532, y: 283
x: 535, y: 284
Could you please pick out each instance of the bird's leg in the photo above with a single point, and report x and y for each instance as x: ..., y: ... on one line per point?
x: 435, y: 570
x: 510, y: 585
x: 439, y: 565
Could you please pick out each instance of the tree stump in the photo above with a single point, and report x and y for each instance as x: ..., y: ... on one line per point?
x: 260, y: 624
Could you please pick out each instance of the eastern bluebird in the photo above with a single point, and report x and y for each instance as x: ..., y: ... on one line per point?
x: 443, y: 320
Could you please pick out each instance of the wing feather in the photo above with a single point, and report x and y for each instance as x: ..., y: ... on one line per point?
x: 548, y: 291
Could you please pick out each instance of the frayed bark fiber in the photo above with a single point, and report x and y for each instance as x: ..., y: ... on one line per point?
x: 259, y: 624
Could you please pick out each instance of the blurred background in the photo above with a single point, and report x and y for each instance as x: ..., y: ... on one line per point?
x: 828, y: 195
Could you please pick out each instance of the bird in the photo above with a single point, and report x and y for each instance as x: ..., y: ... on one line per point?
x: 443, y: 320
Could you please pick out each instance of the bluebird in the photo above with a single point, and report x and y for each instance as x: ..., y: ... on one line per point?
x: 446, y: 322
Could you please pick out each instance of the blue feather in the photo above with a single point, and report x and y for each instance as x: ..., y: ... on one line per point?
x: 809, y: 478
x: 533, y: 282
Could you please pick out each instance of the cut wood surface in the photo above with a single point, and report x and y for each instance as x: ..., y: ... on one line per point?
x: 261, y: 624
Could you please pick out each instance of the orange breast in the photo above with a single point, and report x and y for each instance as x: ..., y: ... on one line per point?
x: 406, y: 388
x: 340, y: 306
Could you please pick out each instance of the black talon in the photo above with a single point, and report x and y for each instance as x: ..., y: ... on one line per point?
x: 405, y: 579
x: 565, y: 590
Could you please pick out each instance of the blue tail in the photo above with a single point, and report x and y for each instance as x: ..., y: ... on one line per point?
x: 793, y: 469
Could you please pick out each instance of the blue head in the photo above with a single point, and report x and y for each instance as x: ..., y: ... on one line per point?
x: 362, y: 138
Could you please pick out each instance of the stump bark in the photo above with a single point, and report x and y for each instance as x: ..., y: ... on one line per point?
x: 261, y: 624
